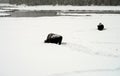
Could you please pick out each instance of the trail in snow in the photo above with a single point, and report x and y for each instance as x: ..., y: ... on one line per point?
x: 88, y: 50
x: 86, y: 71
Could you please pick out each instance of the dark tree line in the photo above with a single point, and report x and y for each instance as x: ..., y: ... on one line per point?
x: 66, y: 2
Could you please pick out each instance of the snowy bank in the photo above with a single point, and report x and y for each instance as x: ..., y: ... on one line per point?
x: 4, y: 14
x: 24, y: 7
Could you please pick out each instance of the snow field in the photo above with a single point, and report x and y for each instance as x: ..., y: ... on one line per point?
x: 85, y: 50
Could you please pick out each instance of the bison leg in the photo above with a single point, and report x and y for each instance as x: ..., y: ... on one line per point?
x: 60, y: 40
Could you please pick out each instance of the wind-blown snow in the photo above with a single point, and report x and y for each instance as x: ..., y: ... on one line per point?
x: 85, y: 51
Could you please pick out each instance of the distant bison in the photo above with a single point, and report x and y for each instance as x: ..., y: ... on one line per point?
x: 54, y: 38
x: 100, y: 27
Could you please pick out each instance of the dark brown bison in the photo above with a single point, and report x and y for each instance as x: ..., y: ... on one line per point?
x: 54, y: 38
x: 100, y: 27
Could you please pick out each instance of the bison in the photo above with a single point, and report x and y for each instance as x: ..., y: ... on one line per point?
x: 54, y: 38
x: 100, y: 27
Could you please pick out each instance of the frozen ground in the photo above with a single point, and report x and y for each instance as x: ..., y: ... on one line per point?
x: 85, y: 51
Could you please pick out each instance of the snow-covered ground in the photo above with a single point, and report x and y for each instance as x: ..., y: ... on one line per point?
x: 6, y: 5
x: 3, y: 10
x: 49, y: 7
x: 85, y: 51
x: 4, y: 14
x: 24, y: 7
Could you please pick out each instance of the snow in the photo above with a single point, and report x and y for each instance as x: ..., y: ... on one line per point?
x: 6, y: 4
x: 3, y: 10
x: 4, y: 14
x: 25, y: 7
x: 85, y: 51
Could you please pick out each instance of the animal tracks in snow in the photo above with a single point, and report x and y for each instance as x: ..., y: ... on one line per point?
x: 78, y: 73
x: 93, y: 50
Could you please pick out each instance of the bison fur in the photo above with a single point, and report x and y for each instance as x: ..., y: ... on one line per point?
x: 100, y: 27
x: 54, y: 38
